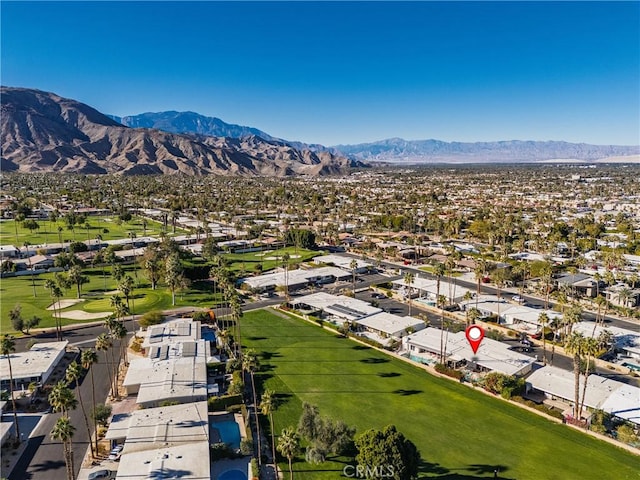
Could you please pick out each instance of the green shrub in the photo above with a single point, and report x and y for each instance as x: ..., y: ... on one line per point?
x: 449, y: 372
x: 153, y: 317
x: 219, y: 451
x: 246, y: 447
x: 626, y: 434
x: 255, y: 469
x: 216, y: 404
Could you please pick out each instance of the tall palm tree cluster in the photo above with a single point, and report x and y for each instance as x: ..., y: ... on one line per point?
x: 63, y: 398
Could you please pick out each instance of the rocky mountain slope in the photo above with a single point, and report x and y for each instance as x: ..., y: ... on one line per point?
x: 190, y: 122
x: 398, y: 150
x: 43, y: 132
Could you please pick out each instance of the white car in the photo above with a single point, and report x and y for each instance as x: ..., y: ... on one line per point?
x: 518, y: 298
x: 116, y: 452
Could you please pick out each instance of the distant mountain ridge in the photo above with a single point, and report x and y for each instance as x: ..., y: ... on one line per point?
x: 43, y: 132
x: 397, y: 150
x: 190, y: 122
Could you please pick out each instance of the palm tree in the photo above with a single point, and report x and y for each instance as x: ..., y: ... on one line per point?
x: 408, y: 281
x: 103, y: 344
x: 63, y: 431
x: 439, y: 270
x: 33, y: 282
x: 543, y: 319
x: 88, y: 358
x: 76, y: 277
x: 236, y: 315
x: 600, y: 302
x: 7, y: 347
x: 250, y: 364
x: 268, y: 405
x: 62, y: 399
x: 74, y: 374
x: 285, y: 263
x: 479, y: 272
x: 467, y: 296
x: 126, y: 288
x: 591, y: 349
x: 353, y: 265
x: 473, y: 315
x: 56, y: 293
x: 288, y: 446
x: 575, y: 346
x: 118, y: 331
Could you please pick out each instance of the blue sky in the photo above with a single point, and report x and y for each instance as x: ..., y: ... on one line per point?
x: 325, y: 72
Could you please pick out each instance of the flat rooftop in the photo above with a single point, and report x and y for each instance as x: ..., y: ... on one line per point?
x: 34, y: 362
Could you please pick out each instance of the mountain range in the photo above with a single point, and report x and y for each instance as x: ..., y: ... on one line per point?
x: 43, y: 132
x: 397, y: 150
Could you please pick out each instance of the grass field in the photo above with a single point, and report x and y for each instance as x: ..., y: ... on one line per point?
x: 268, y: 259
x: 95, y: 295
x: 461, y: 433
x: 48, y: 232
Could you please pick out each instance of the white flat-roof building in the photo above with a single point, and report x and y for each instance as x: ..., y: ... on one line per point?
x: 337, y: 306
x: 387, y: 325
x: 295, y: 279
x: 167, y: 426
x: 187, y: 462
x: 36, y: 365
x: 344, y: 263
x: 517, y: 317
x: 602, y: 393
x: 626, y: 340
x: 8, y: 251
x: 427, y: 288
x: 424, y: 346
x: 172, y: 332
x: 172, y: 372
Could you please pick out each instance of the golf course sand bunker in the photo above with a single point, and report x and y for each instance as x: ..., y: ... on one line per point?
x: 280, y: 258
x: 64, y: 304
x: 81, y: 315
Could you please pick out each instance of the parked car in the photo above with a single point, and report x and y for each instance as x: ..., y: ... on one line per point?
x: 99, y: 474
x: 518, y: 298
x: 115, y: 453
x: 379, y: 296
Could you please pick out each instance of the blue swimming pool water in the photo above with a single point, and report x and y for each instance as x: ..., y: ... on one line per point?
x: 232, y: 475
x: 230, y: 434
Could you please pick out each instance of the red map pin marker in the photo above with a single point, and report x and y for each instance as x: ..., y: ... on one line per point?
x: 474, y: 334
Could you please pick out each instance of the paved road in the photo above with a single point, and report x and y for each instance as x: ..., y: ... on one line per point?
x: 43, y: 458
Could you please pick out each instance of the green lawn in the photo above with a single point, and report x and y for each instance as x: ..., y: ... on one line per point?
x: 248, y: 261
x: 461, y: 433
x: 95, y: 295
x: 48, y: 232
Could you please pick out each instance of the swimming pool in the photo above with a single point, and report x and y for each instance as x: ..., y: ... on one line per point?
x: 232, y: 475
x: 230, y: 434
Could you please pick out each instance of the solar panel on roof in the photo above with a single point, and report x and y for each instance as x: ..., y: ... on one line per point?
x: 346, y: 310
x: 184, y: 329
x: 189, y: 349
x: 164, y: 352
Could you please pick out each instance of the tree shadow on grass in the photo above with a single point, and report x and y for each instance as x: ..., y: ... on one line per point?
x: 361, y: 347
x: 432, y: 468
x: 406, y: 393
x: 388, y: 374
x: 269, y: 355
x: 375, y: 360
x: 484, y: 468
x: 254, y: 338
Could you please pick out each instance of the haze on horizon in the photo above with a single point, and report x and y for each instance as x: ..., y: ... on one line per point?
x: 344, y: 73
